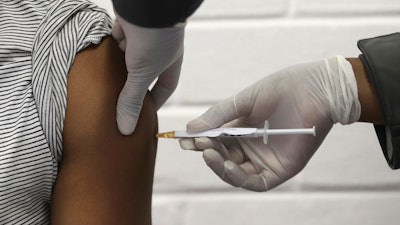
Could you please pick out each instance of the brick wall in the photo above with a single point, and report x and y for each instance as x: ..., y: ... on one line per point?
x: 231, y: 44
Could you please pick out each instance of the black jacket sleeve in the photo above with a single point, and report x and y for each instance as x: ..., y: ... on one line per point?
x: 156, y: 13
x: 381, y: 58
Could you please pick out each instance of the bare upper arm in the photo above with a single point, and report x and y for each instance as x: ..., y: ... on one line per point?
x: 104, y: 177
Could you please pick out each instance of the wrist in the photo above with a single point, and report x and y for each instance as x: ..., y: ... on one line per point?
x: 340, y: 88
x: 370, y: 107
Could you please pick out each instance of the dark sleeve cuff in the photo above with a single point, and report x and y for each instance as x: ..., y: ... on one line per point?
x: 156, y: 13
x: 381, y: 59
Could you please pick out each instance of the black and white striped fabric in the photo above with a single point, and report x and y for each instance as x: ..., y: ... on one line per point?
x: 38, y: 42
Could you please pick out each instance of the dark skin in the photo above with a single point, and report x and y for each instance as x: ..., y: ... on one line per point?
x: 104, y: 177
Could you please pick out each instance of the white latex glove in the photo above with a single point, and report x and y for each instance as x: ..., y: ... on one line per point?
x: 149, y: 54
x: 302, y: 96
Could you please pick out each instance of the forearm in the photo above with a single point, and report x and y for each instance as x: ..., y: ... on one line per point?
x: 370, y: 107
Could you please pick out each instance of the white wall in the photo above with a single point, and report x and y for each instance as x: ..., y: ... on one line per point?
x: 229, y: 45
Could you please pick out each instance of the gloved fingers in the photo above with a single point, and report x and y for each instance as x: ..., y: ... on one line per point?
x: 240, y: 178
x: 196, y: 144
x: 188, y: 144
x: 236, y: 154
x: 249, y: 167
x: 167, y: 83
x: 205, y: 142
x: 227, y: 151
x: 119, y: 35
x: 209, y: 143
x: 130, y: 103
x: 215, y: 161
x: 200, y: 144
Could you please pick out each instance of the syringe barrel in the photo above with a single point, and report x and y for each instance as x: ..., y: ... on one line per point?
x: 261, y: 132
x: 291, y: 131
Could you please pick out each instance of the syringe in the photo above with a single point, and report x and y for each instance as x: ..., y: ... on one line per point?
x: 238, y: 132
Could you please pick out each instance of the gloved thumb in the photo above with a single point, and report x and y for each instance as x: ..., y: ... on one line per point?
x: 221, y: 113
x: 130, y: 103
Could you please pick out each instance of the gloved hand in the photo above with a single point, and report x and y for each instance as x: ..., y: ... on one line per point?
x: 149, y: 54
x: 302, y: 96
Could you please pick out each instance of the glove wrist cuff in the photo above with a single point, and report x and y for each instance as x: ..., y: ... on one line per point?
x: 343, y: 99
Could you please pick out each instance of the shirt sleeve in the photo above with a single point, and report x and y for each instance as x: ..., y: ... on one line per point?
x: 381, y: 58
x: 156, y: 13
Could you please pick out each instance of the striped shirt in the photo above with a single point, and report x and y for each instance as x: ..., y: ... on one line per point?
x: 38, y: 42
